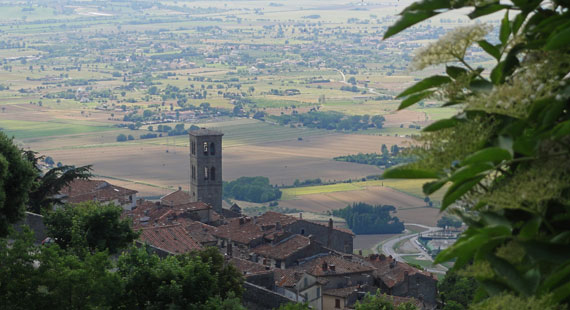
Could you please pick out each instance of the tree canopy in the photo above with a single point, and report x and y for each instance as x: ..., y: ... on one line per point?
x: 363, y: 218
x: 93, y: 225
x: 505, y: 155
x: 16, y: 179
x: 253, y: 189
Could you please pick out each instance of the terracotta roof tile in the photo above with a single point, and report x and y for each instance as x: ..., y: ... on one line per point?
x: 173, y: 238
x: 340, y: 265
x: 341, y: 292
x: 89, y: 190
x: 392, y: 272
x: 178, y: 197
x: 283, y: 249
x: 248, y: 267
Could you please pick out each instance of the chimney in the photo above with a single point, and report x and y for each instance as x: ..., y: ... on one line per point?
x: 330, y: 223
x: 300, y: 215
x: 179, y: 188
x: 229, y: 250
x: 325, y: 266
x: 332, y: 267
x: 360, y: 252
x: 241, y: 221
x: 278, y: 226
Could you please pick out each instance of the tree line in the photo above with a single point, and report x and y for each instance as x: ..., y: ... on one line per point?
x: 363, y: 219
x: 331, y: 120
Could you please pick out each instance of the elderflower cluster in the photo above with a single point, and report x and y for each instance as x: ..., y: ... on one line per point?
x: 532, y: 188
x: 450, y: 47
x: 531, y: 82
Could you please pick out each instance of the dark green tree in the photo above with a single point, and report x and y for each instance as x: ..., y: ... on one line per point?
x: 33, y: 277
x: 90, y: 225
x: 175, y: 282
x: 456, y: 291
x: 43, y: 194
x: 380, y: 301
x: 16, y: 179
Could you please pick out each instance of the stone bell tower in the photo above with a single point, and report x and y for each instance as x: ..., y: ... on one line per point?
x: 206, y: 167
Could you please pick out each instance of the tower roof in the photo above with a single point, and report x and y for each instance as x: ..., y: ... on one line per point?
x: 204, y: 132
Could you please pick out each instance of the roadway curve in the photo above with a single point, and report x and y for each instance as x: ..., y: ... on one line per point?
x: 388, y: 247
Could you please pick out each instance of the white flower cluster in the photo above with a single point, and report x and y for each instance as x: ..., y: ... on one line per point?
x: 450, y: 47
x: 530, y: 82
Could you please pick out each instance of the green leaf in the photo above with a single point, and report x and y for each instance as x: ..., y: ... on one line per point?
x: 441, y: 124
x: 470, y: 171
x: 552, y: 113
x: 526, y: 144
x: 510, y: 274
x: 530, y: 229
x: 457, y: 190
x: 493, y: 287
x: 561, y: 293
x: 517, y: 22
x: 464, y: 247
x: 497, y: 76
x: 455, y: 72
x: 490, y: 49
x: 431, y: 187
x: 488, y: 9
x: 415, y: 98
x: 558, y: 275
x: 560, y: 131
x: 491, y: 154
x: 427, y: 83
x: 505, y: 30
x: 546, y: 251
x: 558, y: 40
x: 481, y: 86
x: 407, y: 20
x: 403, y: 172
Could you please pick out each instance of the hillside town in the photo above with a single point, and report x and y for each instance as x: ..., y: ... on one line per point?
x: 283, y: 258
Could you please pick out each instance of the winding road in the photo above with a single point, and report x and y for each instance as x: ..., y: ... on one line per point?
x: 388, y: 247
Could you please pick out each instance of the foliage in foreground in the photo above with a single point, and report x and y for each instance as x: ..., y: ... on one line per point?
x: 506, y: 154
x: 363, y: 218
x: 16, y: 180
x: 90, y: 225
x: 380, y: 301
x: 48, y: 277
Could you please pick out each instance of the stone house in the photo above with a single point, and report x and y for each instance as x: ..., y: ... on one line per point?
x: 400, y: 279
x: 172, y: 238
x: 79, y: 190
x: 286, y: 250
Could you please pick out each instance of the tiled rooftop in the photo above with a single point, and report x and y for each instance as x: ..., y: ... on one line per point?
x: 392, y: 272
x: 173, y: 238
x: 283, y: 249
x: 89, y: 190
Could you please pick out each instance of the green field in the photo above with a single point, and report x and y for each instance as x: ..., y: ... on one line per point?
x: 27, y: 129
x: 411, y: 187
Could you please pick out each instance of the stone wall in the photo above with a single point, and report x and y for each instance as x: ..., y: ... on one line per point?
x: 418, y: 286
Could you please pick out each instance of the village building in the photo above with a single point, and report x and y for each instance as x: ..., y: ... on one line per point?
x: 287, y: 250
x: 173, y: 239
x: 400, y: 279
x: 80, y: 190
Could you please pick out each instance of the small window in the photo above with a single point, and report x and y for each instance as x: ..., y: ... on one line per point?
x: 213, y: 174
x: 205, y: 148
x: 212, y: 149
x: 302, y: 231
x: 193, y: 147
x: 206, y: 173
x: 337, y: 303
x: 318, y: 292
x: 193, y: 172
